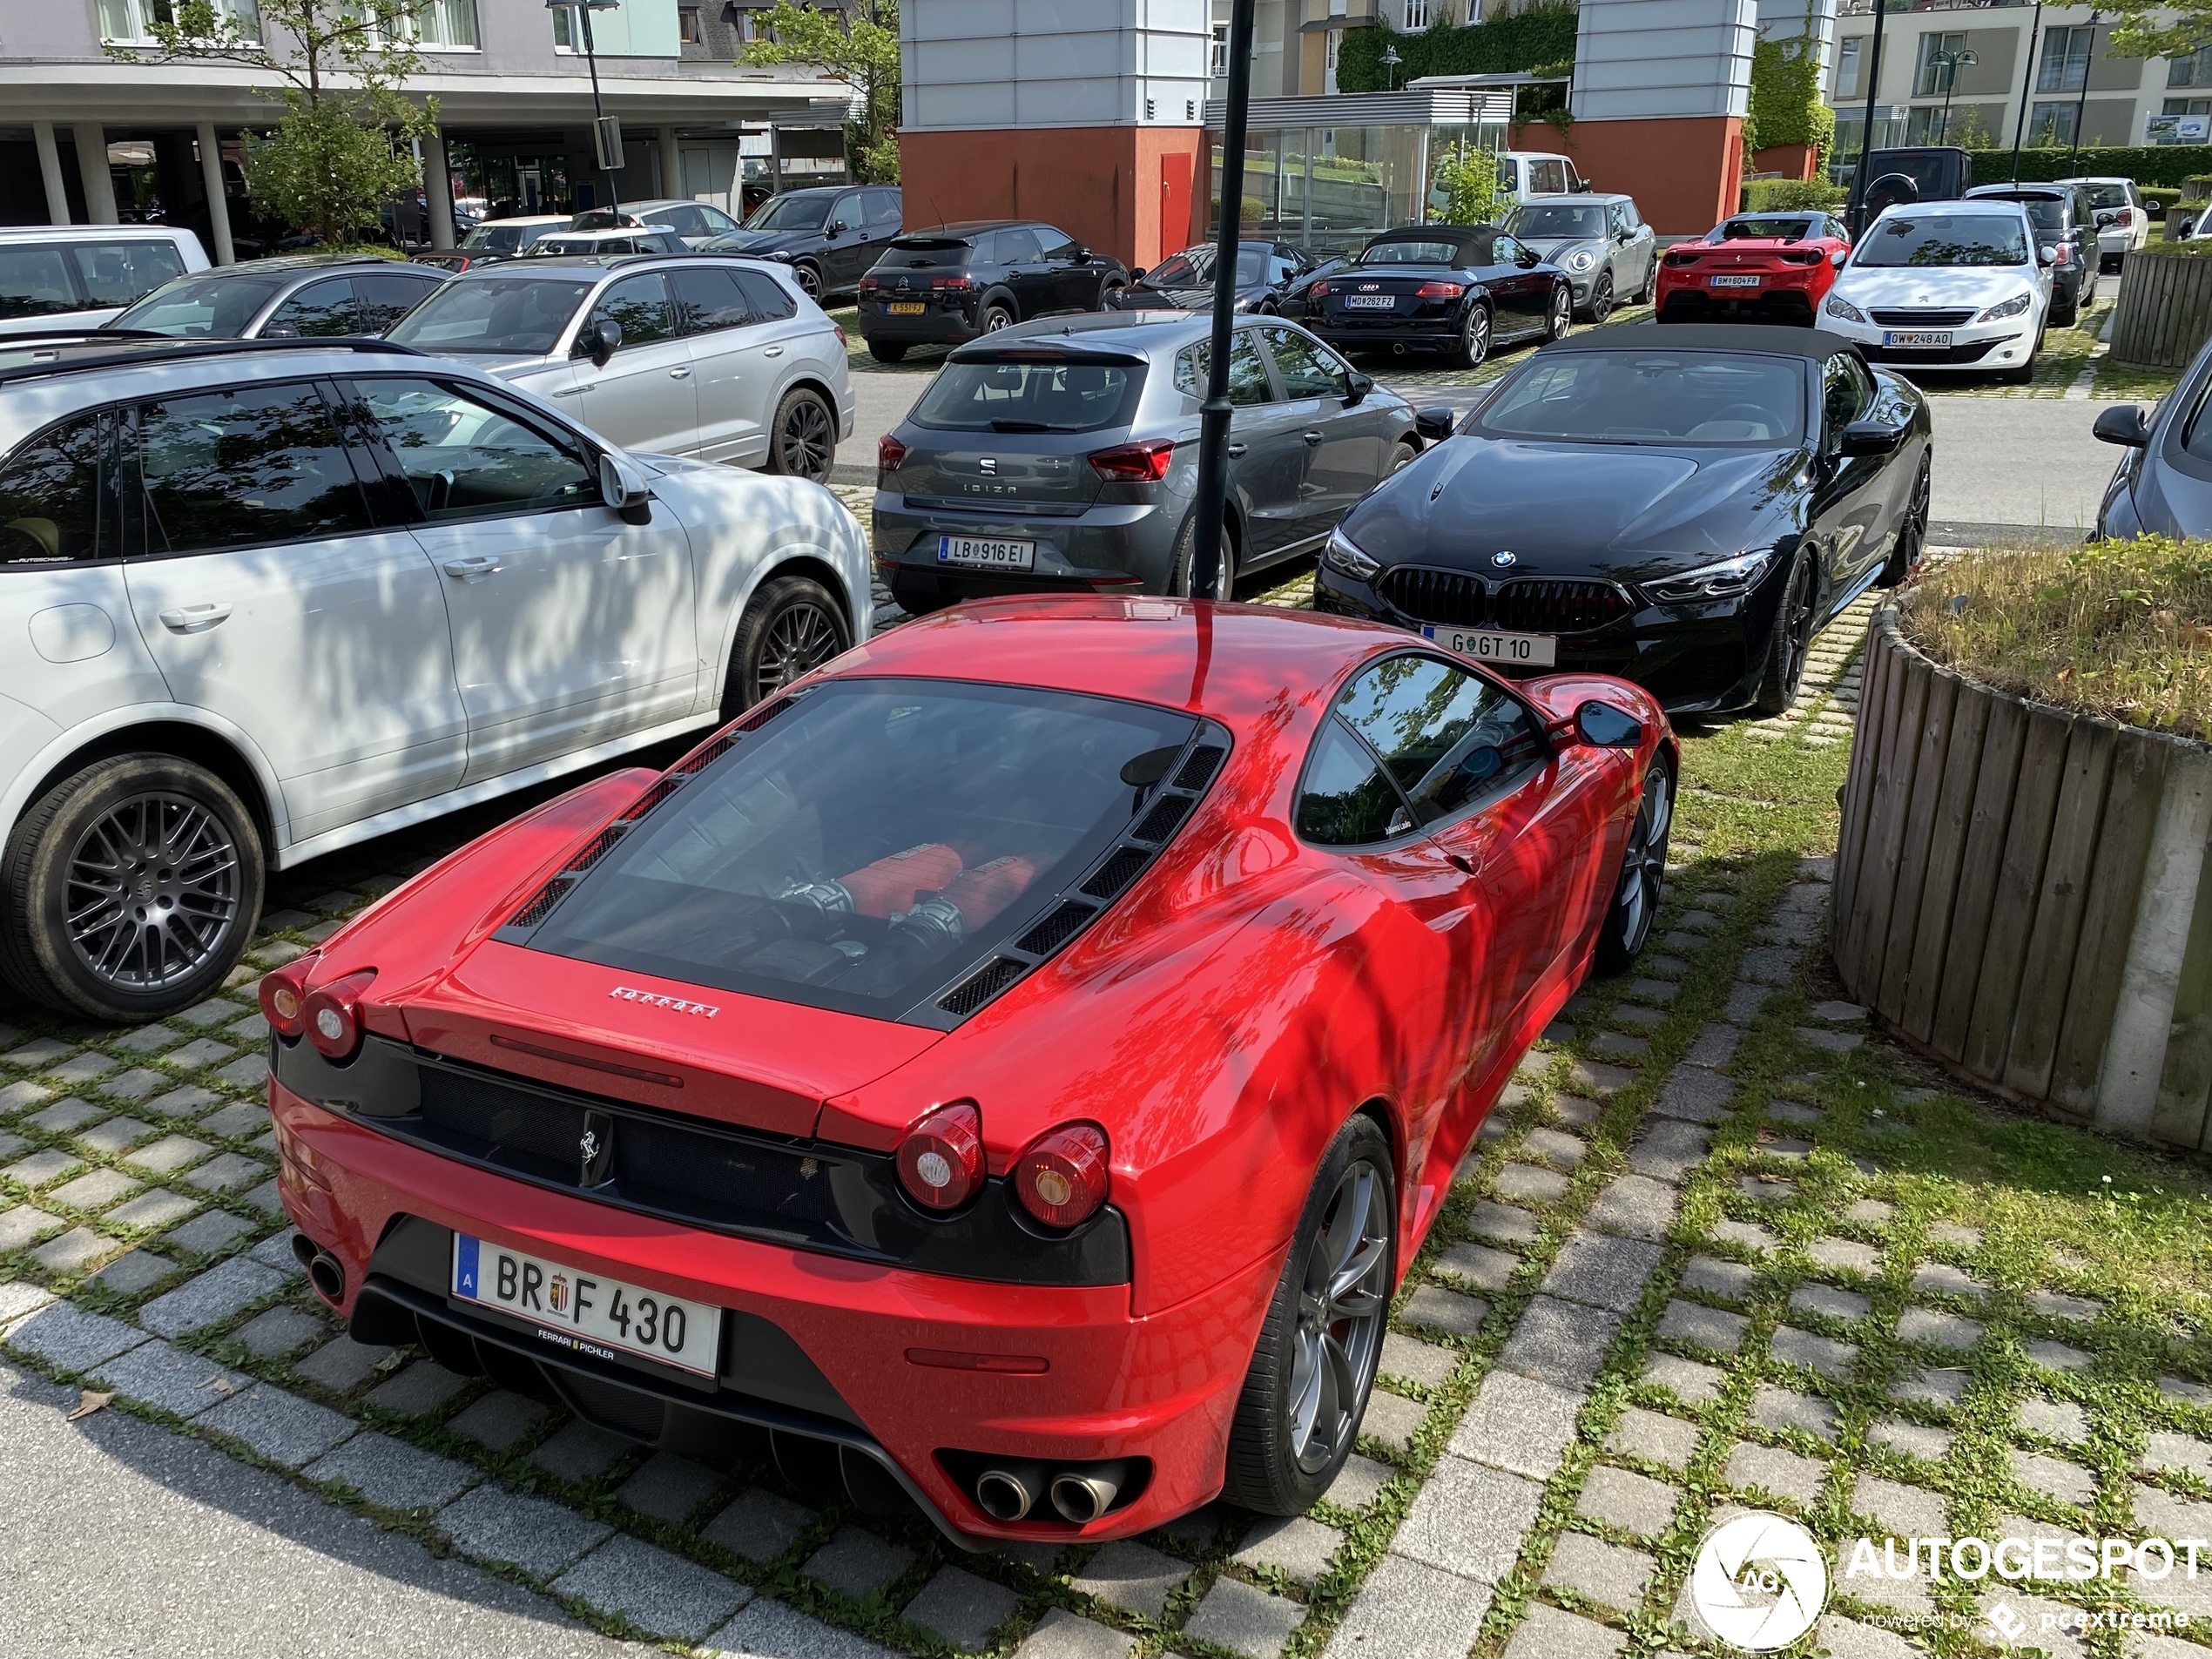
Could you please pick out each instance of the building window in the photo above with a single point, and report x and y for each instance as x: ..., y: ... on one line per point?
x: 1419, y: 16
x: 2065, y: 65
x: 1931, y: 124
x: 2051, y: 126
x: 127, y: 22
x: 2192, y: 70
x: 1220, y: 66
x: 689, y: 29
x: 1937, y: 70
x: 447, y: 23
x: 1847, y: 62
x: 2187, y: 106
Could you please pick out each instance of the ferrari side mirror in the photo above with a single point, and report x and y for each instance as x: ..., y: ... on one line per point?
x: 1604, y: 727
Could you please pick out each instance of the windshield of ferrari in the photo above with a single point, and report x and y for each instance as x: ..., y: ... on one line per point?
x: 868, y: 847
x: 1768, y: 227
x: 1946, y: 241
x: 1648, y: 396
x: 1549, y: 219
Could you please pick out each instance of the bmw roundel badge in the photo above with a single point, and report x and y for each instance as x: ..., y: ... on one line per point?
x: 1504, y: 560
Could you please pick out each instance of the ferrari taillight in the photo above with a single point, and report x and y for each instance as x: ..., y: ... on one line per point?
x: 941, y: 1161
x: 333, y: 1014
x: 1134, y: 464
x: 284, y: 998
x: 1061, y: 1179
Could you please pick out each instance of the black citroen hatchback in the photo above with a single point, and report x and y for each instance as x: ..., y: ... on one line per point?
x: 954, y: 283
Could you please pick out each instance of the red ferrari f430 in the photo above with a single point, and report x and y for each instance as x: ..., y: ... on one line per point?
x: 1010, y: 1070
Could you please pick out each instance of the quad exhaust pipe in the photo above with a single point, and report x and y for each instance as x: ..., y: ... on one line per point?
x: 325, y: 1271
x: 1009, y: 1492
x: 1082, y: 1497
x: 1012, y: 1491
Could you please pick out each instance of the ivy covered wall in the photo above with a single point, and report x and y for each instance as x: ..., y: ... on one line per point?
x: 1542, y: 37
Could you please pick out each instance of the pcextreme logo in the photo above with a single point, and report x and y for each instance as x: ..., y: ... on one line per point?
x: 1759, y: 1582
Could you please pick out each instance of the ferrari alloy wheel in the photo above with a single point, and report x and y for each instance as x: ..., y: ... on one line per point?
x: 1643, y: 871
x: 1788, y: 645
x: 131, y: 889
x: 1314, y: 1368
x: 1912, y: 535
x: 1601, y: 305
x: 1562, y: 317
x: 1474, y: 337
x: 804, y: 442
x: 809, y: 282
x: 792, y: 627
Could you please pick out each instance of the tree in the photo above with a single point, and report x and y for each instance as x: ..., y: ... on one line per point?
x: 2172, y: 29
x: 861, y: 49
x: 343, y: 146
x: 1469, y: 181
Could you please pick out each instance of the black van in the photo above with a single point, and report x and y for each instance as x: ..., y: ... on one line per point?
x: 957, y: 282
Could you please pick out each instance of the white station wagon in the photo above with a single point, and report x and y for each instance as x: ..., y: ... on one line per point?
x: 269, y: 598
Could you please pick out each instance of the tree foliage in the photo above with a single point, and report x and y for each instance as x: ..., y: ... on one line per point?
x: 343, y: 144
x: 2170, y: 29
x: 862, y: 49
x: 1785, y: 105
x: 1469, y: 181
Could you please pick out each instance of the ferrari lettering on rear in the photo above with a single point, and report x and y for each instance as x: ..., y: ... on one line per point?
x: 652, y: 999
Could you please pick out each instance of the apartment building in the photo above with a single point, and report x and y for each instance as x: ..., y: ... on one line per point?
x: 88, y: 137
x: 1953, y: 71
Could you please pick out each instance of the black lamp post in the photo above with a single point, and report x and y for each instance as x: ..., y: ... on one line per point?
x: 1391, y: 60
x: 2027, y: 83
x: 1208, y: 576
x: 2081, y: 103
x: 1950, y: 61
x: 606, y: 134
x: 1859, y: 180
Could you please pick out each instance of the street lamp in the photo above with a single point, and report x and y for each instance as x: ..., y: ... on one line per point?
x: 2028, y: 80
x: 1214, y: 414
x: 1391, y: 60
x: 1950, y: 61
x: 2081, y: 103
x: 606, y: 130
x: 1859, y: 180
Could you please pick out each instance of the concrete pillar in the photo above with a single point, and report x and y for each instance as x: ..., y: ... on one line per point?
x: 671, y: 163
x: 1661, y: 90
x: 218, y: 204
x: 91, y: 169
x: 50, y: 172
x: 437, y: 188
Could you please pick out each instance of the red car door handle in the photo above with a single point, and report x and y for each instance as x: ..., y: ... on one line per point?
x: 1462, y: 862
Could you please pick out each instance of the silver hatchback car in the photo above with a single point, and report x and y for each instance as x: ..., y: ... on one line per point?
x: 1062, y: 455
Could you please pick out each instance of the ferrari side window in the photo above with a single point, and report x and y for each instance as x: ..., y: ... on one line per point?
x: 1348, y: 800
x: 1448, y: 738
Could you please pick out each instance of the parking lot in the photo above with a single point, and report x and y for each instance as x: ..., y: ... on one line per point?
x: 1720, y: 1244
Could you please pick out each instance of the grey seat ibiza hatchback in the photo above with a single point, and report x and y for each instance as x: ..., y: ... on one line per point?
x: 1062, y: 455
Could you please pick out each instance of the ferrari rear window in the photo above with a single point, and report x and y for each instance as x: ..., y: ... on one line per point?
x: 866, y: 849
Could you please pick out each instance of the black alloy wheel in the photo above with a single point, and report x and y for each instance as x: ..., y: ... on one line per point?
x: 804, y: 443
x: 130, y: 889
x: 1912, y: 533
x: 1314, y: 1367
x: 809, y: 282
x: 1787, y: 645
x: 1474, y: 337
x: 1601, y: 305
x: 1562, y: 315
x: 1644, y: 872
x: 793, y: 626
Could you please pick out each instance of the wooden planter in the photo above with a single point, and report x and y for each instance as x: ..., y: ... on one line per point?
x: 2165, y: 310
x: 2026, y: 894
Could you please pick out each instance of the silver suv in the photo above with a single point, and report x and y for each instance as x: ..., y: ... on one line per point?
x: 711, y: 358
x: 270, y: 598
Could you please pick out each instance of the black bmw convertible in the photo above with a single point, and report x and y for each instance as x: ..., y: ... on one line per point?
x: 1685, y: 506
x: 1459, y: 289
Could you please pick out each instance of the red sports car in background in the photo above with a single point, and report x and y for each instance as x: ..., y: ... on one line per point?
x: 1755, y: 267
x: 1014, y: 1066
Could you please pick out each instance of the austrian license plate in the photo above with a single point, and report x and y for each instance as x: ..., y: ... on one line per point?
x: 1370, y: 301
x: 987, y: 552
x: 1490, y: 646
x: 587, y: 1312
x: 1917, y: 338
x: 906, y: 307
x: 1734, y: 281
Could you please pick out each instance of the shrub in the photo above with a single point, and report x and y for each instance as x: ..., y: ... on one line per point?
x: 1543, y: 35
x: 1792, y: 195
x: 2152, y: 164
x: 1469, y: 181
x: 2118, y: 629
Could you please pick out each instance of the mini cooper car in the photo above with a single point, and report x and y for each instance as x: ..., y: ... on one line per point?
x: 1754, y: 267
x: 1601, y: 242
x: 1016, y: 1066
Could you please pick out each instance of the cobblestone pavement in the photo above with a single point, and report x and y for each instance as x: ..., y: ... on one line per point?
x: 1691, y: 1265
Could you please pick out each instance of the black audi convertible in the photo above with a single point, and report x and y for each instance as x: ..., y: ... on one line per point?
x: 1459, y: 289
x: 1686, y: 506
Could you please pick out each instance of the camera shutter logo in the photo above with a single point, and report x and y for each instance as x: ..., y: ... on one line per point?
x: 1759, y: 1582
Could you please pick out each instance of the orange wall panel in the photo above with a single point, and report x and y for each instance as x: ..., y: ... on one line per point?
x: 1684, y: 172
x: 1127, y: 191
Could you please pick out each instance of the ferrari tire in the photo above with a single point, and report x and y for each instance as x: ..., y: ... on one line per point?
x: 1912, y: 535
x: 1644, y: 872
x: 793, y: 625
x: 130, y: 889
x: 1298, y: 1418
x: 1789, y: 642
x: 1475, y: 338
